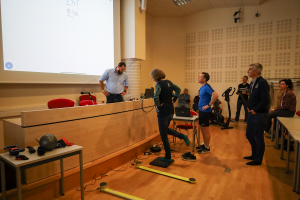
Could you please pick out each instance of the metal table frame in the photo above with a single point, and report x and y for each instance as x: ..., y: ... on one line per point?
x: 192, y: 119
x: 18, y: 172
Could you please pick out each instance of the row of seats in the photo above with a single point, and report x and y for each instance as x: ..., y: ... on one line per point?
x: 63, y: 103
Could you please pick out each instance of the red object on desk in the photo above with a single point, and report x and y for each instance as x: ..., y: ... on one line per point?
x: 60, y: 103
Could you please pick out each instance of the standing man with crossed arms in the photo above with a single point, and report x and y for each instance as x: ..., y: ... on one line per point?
x: 116, y: 83
x: 207, y: 98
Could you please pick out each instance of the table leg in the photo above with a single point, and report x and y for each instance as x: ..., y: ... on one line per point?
x: 276, y: 135
x: 19, y: 186
x: 272, y: 130
x: 3, y: 184
x: 198, y: 135
x: 193, y: 136
x: 174, y: 139
x: 295, y: 166
x: 81, y: 175
x: 282, y: 142
x: 298, y: 172
x: 62, y: 178
x: 288, y: 154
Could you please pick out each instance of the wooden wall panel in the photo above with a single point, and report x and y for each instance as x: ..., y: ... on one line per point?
x: 31, y: 118
x: 99, y: 136
x: 14, y: 132
x: 144, y: 103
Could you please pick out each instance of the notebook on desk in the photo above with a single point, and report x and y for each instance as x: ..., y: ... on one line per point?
x: 182, y: 112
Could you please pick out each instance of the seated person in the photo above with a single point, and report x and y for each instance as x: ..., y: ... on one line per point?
x: 287, y: 107
x: 196, y: 101
x: 184, y: 99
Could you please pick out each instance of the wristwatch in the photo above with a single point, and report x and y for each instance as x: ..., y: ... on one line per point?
x: 125, y: 91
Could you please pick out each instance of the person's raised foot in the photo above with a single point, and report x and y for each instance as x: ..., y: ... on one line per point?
x: 186, y: 140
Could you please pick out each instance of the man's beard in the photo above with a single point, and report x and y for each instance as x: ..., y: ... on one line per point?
x: 120, y: 72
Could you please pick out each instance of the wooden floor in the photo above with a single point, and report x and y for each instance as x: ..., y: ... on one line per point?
x: 268, y: 181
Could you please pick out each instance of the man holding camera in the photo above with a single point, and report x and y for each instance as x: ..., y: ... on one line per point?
x: 243, y: 92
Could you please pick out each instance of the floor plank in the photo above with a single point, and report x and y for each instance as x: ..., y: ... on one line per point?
x: 266, y: 182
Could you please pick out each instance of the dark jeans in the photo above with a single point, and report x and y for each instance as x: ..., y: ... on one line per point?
x: 195, y: 106
x: 274, y: 114
x: 114, y: 98
x: 238, y: 109
x: 255, y: 135
x: 163, y: 125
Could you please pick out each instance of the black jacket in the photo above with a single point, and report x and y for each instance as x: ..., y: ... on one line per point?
x: 259, y: 98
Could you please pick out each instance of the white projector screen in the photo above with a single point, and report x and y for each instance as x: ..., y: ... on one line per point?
x: 58, y: 41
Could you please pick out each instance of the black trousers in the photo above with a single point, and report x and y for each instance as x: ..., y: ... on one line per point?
x: 164, y: 130
x: 238, y: 109
x: 274, y: 114
x: 255, y: 135
x: 114, y: 98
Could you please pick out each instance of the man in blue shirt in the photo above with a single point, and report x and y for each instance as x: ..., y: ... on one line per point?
x: 207, y: 98
x: 116, y: 83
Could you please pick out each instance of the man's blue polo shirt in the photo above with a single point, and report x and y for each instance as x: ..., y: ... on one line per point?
x: 205, y: 97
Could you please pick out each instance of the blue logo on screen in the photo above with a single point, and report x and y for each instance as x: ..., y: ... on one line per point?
x: 69, y: 11
x: 8, y: 65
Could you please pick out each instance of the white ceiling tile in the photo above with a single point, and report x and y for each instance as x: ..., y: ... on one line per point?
x: 163, y: 8
x: 188, y: 9
x: 202, y: 5
x: 250, y: 3
x: 172, y: 10
x: 156, y: 11
x: 150, y: 4
x: 219, y: 5
x: 234, y: 4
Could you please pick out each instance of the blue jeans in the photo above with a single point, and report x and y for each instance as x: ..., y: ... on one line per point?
x: 163, y: 125
x: 255, y: 135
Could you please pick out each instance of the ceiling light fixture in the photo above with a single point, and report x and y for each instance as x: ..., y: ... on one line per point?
x: 181, y: 2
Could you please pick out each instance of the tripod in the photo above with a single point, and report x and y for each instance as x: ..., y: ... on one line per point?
x: 227, y: 94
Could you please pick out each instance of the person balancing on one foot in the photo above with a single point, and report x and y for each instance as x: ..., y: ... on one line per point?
x: 165, y: 109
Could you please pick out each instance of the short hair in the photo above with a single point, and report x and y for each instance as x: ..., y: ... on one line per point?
x: 186, y: 89
x: 258, y: 67
x: 157, y: 74
x: 206, y: 76
x: 246, y: 77
x: 121, y: 64
x: 289, y: 83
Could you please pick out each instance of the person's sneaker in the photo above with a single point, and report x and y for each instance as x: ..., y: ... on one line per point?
x: 204, y: 150
x: 234, y: 121
x: 186, y: 154
x: 190, y: 157
x: 200, y: 147
x: 186, y: 140
x: 165, y: 159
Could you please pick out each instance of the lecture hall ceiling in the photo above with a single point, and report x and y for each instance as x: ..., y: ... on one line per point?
x: 166, y: 8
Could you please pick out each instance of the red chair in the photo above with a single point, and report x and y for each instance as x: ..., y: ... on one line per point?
x: 187, y: 126
x: 87, y: 97
x: 87, y: 102
x: 298, y: 113
x: 60, y: 103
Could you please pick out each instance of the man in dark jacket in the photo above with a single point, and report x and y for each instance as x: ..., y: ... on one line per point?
x: 258, y: 107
